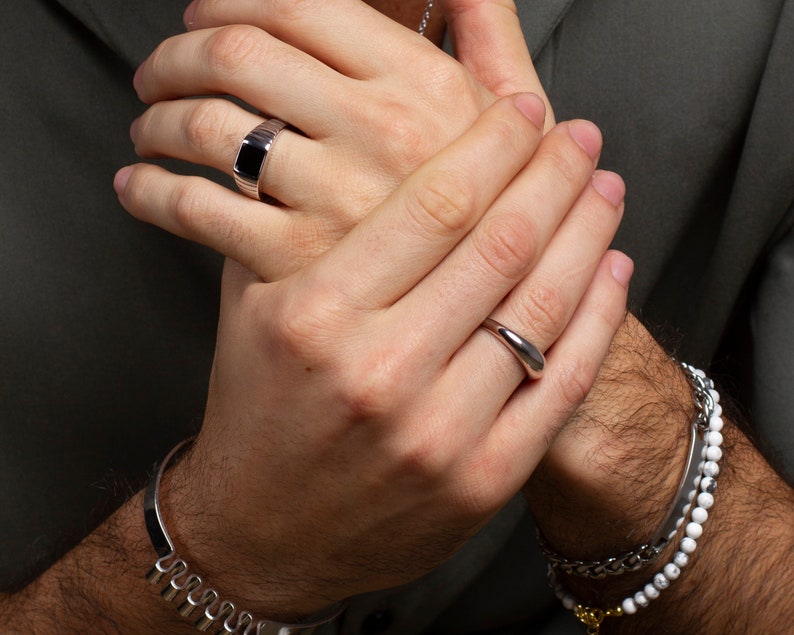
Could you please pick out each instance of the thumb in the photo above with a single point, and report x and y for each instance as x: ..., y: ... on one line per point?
x: 488, y: 41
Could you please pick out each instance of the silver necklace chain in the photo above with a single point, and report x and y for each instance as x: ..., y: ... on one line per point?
x: 426, y: 17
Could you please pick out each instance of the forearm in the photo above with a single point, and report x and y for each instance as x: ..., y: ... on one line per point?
x: 98, y: 587
x: 632, y: 439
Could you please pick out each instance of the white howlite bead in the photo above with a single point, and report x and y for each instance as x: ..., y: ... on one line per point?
x: 694, y: 530
x: 716, y: 423
x: 714, y: 395
x: 713, y: 438
x: 717, y: 410
x: 699, y: 372
x: 568, y: 602
x: 705, y: 447
x: 671, y: 572
x: 710, y: 468
x: 708, y: 484
x: 660, y: 581
x: 629, y: 606
x: 680, y: 559
x: 640, y: 599
x: 713, y: 453
x: 699, y: 515
x: 691, y: 495
x: 705, y: 500
x: 688, y: 545
x: 651, y: 592
x: 686, y: 509
x: 678, y: 524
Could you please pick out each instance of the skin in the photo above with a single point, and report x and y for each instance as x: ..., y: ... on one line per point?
x: 347, y: 435
x: 634, y: 422
x: 595, y: 493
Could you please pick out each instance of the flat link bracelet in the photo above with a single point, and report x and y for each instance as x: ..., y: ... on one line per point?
x: 189, y: 592
x: 645, y: 554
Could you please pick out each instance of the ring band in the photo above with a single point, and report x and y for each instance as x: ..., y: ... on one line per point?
x: 525, y: 352
x: 251, y: 160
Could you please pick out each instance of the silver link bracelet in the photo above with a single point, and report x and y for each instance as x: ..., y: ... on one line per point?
x: 647, y: 553
x: 189, y: 592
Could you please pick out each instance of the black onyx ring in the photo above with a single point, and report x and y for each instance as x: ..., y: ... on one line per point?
x: 531, y: 358
x: 249, y: 166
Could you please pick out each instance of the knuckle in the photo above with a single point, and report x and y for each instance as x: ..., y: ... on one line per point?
x: 372, y: 386
x: 159, y: 58
x: 407, y: 144
x: 425, y: 454
x: 609, y: 312
x: 544, y: 306
x: 189, y: 205
x: 510, y: 133
x: 449, y: 85
x: 442, y: 203
x: 573, y: 379
x: 198, y: 217
x: 299, y: 325
x: 506, y: 243
x: 230, y: 47
x: 597, y: 223
x: 567, y: 164
x: 204, y: 125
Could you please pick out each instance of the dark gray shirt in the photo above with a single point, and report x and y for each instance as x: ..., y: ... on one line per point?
x: 107, y: 326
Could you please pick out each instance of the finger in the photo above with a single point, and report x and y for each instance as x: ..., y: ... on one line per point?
x: 263, y: 238
x: 488, y: 40
x: 416, y: 227
x: 341, y: 33
x: 518, y: 229
x: 210, y: 131
x: 203, y: 131
x: 517, y: 441
x: 541, y: 306
x: 252, y: 65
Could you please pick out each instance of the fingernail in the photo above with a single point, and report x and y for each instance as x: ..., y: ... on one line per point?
x: 533, y: 108
x: 587, y: 135
x: 121, y: 179
x: 189, y: 14
x: 622, y: 268
x: 610, y: 186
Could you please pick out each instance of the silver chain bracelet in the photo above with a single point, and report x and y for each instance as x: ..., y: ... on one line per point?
x: 649, y: 552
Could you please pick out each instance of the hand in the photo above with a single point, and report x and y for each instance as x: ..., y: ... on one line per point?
x: 372, y: 108
x: 360, y: 427
x: 618, y: 464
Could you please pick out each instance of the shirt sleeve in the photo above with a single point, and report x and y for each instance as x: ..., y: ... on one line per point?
x: 772, y: 324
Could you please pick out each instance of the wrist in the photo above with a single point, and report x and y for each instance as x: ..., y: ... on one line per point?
x: 693, y: 500
x: 222, y: 549
x: 618, y: 464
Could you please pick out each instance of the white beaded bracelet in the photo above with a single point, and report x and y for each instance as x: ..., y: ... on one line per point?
x: 701, y: 499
